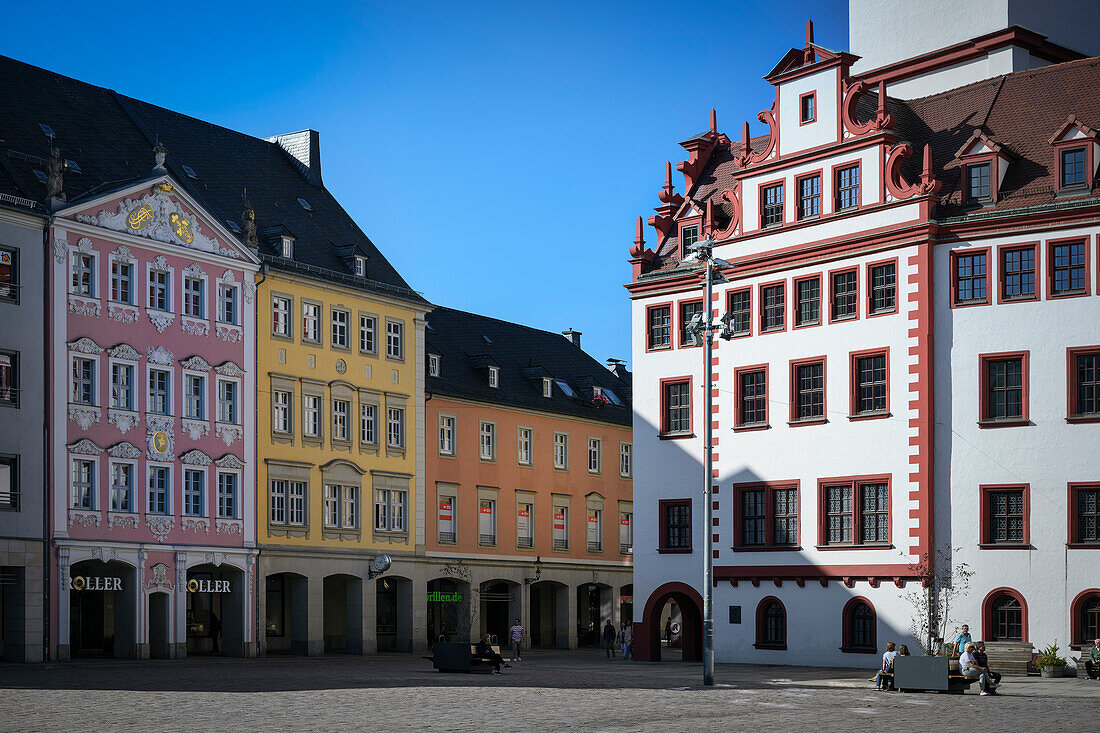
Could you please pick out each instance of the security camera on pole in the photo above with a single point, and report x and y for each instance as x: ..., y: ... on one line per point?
x: 702, y: 329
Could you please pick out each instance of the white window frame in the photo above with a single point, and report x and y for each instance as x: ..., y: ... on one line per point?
x: 93, y: 482
x: 547, y: 387
x: 191, y: 278
x: 168, y: 395
x: 281, y: 316
x: 132, y: 396
x: 116, y: 259
x: 149, y: 469
x: 494, y: 377
x: 395, y: 339
x: 281, y: 419
x: 237, y: 400
x: 336, y: 326
x: 391, y: 510
x: 395, y: 427
x: 434, y: 363
x: 168, y: 273
x: 447, y: 425
x: 487, y: 440
x: 297, y: 504
x: 626, y: 460
x: 311, y: 321
x: 278, y: 494
x: 132, y: 465
x: 93, y: 260
x: 315, y: 412
x: 341, y: 413
x: 525, y: 440
x: 237, y: 493
x: 368, y: 423
x: 94, y: 380
x: 561, y: 451
x: 368, y: 324
x: 229, y: 293
x: 203, y: 398
x: 188, y: 471
x: 595, y: 454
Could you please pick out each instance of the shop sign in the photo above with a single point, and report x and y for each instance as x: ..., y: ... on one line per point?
x: 626, y: 599
x: 625, y: 521
x: 559, y: 521
x: 95, y: 582
x: 446, y: 511
x: 437, y: 597
x: 208, y: 586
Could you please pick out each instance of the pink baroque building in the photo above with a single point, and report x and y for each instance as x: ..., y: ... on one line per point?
x: 151, y: 447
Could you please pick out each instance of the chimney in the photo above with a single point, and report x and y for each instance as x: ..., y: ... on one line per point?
x: 618, y: 368
x: 573, y: 336
x: 305, y: 149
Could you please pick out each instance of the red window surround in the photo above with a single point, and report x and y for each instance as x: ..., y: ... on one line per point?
x: 870, y: 293
x: 983, y: 386
x: 985, y: 522
x: 671, y: 325
x: 781, y: 182
x: 1071, y: 384
x: 835, y: 188
x: 662, y: 517
x: 769, y: 488
x: 682, y: 337
x: 987, y: 611
x: 832, y: 294
x: 1002, y: 274
x: 762, y: 306
x: 1087, y: 240
x: 807, y: 115
x: 687, y: 223
x: 795, y: 420
x: 795, y: 306
x: 857, y: 520
x: 1073, y: 517
x: 955, y: 302
x: 1079, y: 640
x: 738, y: 424
x: 665, y: 434
x: 853, y: 385
x: 847, y: 643
x: 761, y: 635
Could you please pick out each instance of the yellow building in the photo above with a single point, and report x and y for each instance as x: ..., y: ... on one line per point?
x: 341, y: 479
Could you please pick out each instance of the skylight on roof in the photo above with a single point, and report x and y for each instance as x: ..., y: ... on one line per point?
x: 487, y: 339
x: 190, y: 172
x: 71, y: 165
x: 564, y: 387
x: 233, y: 227
x: 611, y: 396
x: 305, y: 204
x: 40, y: 176
x: 46, y: 129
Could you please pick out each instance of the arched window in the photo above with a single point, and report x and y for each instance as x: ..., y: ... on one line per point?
x: 859, y: 626
x: 771, y: 624
x: 1085, y: 617
x: 1090, y: 618
x: 1004, y: 616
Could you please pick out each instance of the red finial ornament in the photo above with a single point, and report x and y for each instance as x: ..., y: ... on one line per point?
x: 808, y: 56
x: 639, y: 241
x: 708, y: 219
x: 667, y: 192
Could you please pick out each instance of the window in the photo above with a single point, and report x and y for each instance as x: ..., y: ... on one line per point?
x: 311, y: 322
x: 280, y: 316
x: 979, y: 186
x: 561, y: 450
x: 626, y: 533
x: 122, y: 387
x: 1084, y: 508
x: 1018, y: 273
x: 9, y: 379
x: 395, y: 348
x: 340, y: 410
x: 160, y: 483
x: 395, y: 427
x: 547, y: 387
x: 433, y: 365
x: 361, y: 266
x: 807, y: 108
x: 883, y: 295
x: 626, y: 460
x: 446, y: 435
x: 808, y: 390
x: 368, y: 424
x: 1083, y: 367
x: 277, y: 503
x: 687, y: 312
x: 368, y: 328
x: 561, y: 528
x: 594, y: 455
x: 1006, y: 616
x: 808, y: 292
x: 311, y: 415
x: 287, y: 247
x: 595, y: 530
x: 773, y: 311
x: 675, y: 517
x: 1073, y: 167
x: 1004, y: 388
x: 446, y: 519
x: 688, y: 237
x: 768, y: 514
x: 194, y: 488
x: 83, y: 381
x: 227, y: 495
x: 859, y: 627
x: 660, y: 334
x: 487, y: 522
x: 870, y: 385
x: 1068, y: 270
x: 1004, y: 515
x: 488, y: 441
x: 194, y: 397
x: 227, y: 402
x: 122, y: 282
x: 9, y: 484
x: 227, y: 303
x: 845, y: 294
x: 288, y: 499
x: 83, y: 484
x: 9, y: 276
x: 847, y: 188
x: 280, y: 411
x: 970, y: 278
x: 193, y: 301
x: 83, y: 282
x: 390, y: 510
x: 771, y: 624
x: 158, y: 290
x: 341, y: 506
x: 525, y: 525
x: 771, y: 210
x: 855, y: 511
x: 339, y: 329
x: 1087, y: 618
x: 494, y: 377
x: 739, y: 306
x: 809, y: 197
x: 122, y: 487
x: 751, y: 399
x: 523, y: 446
x: 160, y: 389
x: 676, y: 403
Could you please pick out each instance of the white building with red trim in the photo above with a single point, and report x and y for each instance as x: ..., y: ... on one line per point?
x: 913, y: 375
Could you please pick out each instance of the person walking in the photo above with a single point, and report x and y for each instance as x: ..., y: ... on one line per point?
x: 515, y: 633
x: 215, y: 631
x: 609, y: 639
x: 628, y: 641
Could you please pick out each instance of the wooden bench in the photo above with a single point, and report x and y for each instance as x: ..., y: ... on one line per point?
x: 1009, y: 657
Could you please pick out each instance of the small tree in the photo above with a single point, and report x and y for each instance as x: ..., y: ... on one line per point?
x: 941, y: 584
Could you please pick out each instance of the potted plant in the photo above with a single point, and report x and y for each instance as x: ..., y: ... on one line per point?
x: 1049, y: 663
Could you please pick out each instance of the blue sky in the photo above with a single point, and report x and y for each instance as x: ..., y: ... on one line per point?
x: 497, y: 153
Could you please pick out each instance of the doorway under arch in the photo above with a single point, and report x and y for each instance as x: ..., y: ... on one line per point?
x: 342, y: 620
x: 651, y: 630
x: 501, y: 601
x: 549, y: 615
x: 103, y: 609
x: 286, y: 626
x: 448, y: 610
x: 217, y: 598
x: 394, y: 609
x: 594, y: 609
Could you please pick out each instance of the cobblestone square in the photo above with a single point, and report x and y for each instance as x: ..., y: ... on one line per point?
x: 556, y: 691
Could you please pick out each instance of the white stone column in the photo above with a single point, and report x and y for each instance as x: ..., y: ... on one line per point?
x: 63, y: 577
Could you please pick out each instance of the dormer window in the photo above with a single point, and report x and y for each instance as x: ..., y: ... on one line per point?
x: 688, y: 237
x: 360, y: 266
x: 434, y: 364
x: 983, y: 163
x: 547, y: 387
x: 979, y: 184
x: 1072, y: 167
x: 807, y: 108
x: 288, y: 247
x: 494, y: 377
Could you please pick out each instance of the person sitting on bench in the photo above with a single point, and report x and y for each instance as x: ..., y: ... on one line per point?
x: 983, y: 662
x: 969, y: 667
x: 886, y: 673
x: 485, y: 651
x: 1092, y: 664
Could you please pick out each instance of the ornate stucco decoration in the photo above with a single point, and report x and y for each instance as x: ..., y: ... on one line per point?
x: 84, y: 306
x: 229, y: 369
x: 84, y: 447
x: 124, y: 351
x: 229, y: 333
x: 195, y: 429
x: 249, y: 291
x: 159, y: 355
x: 123, y: 419
x: 84, y: 416
x: 196, y: 363
x: 124, y: 449
x: 194, y: 326
x: 195, y: 524
x: 122, y: 521
x: 228, y: 433
x: 85, y: 345
x: 229, y: 461
x: 83, y: 518
x: 155, y: 424
x: 899, y: 188
x: 160, y: 262
x: 196, y: 457
x: 60, y: 248
x: 881, y: 120
x: 158, y: 577
x: 122, y: 313
x: 194, y: 269
x: 160, y: 319
x: 159, y: 525
x: 230, y: 526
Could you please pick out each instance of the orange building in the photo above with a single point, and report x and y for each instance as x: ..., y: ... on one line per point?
x: 528, y: 482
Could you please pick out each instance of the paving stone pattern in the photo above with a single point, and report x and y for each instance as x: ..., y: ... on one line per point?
x: 547, y: 692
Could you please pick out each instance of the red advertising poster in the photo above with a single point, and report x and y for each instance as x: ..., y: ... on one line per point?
x: 486, y: 510
x: 446, y: 511
x: 524, y: 513
x: 559, y: 521
x: 625, y: 522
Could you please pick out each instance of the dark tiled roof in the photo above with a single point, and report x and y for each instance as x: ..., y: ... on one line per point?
x: 1019, y: 111
x: 111, y: 137
x: 468, y: 343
